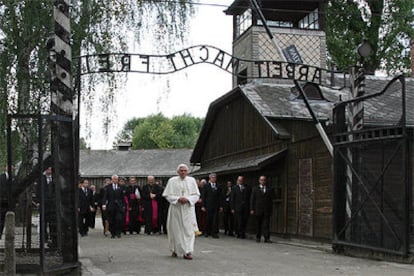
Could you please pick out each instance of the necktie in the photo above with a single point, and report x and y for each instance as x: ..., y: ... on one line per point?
x: 213, y: 185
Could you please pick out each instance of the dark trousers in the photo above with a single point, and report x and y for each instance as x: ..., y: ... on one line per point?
x: 240, y: 222
x: 83, y: 223
x: 212, y: 221
x: 91, y: 220
x: 228, y: 221
x: 262, y: 226
x: 51, y: 226
x: 116, y: 222
x: 163, y: 219
x: 104, y: 215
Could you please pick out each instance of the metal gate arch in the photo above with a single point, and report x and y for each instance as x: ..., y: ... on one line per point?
x: 372, y: 182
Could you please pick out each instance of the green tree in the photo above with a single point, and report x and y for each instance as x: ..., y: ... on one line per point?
x: 157, y: 131
x: 98, y: 26
x: 146, y: 133
x: 186, y: 130
x: 127, y: 132
x: 388, y: 25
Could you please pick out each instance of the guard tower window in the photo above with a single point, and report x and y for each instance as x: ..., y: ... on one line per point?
x: 311, y: 21
x: 244, y: 21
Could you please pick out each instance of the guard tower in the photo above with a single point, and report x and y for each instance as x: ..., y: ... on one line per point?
x: 298, y: 27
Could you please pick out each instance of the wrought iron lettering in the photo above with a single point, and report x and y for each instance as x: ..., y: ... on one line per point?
x: 173, y: 62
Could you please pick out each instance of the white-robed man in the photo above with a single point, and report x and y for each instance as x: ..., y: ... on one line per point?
x: 182, y: 193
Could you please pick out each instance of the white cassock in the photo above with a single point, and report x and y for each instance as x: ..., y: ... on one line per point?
x: 181, y: 217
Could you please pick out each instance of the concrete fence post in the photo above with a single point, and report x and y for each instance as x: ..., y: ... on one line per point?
x: 9, y: 252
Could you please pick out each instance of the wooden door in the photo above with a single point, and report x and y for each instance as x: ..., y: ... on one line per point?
x: 305, y: 198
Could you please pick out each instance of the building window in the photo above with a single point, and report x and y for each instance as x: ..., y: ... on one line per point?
x: 244, y: 21
x: 311, y: 21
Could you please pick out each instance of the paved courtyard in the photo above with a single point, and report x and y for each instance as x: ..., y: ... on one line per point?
x: 148, y: 255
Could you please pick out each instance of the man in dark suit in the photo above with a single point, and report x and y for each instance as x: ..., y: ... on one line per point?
x: 86, y: 206
x: 240, y: 203
x: 261, y: 205
x: 212, y: 205
x: 113, y: 202
x: 49, y: 209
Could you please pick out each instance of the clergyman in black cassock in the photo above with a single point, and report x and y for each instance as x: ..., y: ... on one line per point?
x: 151, y: 195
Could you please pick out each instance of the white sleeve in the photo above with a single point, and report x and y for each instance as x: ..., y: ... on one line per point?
x: 137, y: 193
x: 172, y: 199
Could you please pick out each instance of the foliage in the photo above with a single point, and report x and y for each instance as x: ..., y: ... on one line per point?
x: 125, y: 135
x: 158, y: 131
x: 97, y: 26
x: 186, y: 130
x: 82, y: 144
x: 386, y: 24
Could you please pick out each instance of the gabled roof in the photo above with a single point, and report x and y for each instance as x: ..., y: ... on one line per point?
x: 246, y: 164
x: 275, y: 101
x: 157, y: 162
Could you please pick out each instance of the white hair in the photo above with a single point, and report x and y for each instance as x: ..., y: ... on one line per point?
x: 182, y: 166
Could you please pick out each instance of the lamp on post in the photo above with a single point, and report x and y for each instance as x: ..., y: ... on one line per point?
x: 364, y: 49
x: 358, y: 83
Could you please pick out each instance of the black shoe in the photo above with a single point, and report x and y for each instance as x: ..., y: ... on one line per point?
x: 118, y: 236
x: 257, y: 240
x: 243, y: 236
x: 206, y: 235
x: 268, y: 241
x: 112, y: 236
x: 231, y: 234
x: 215, y: 236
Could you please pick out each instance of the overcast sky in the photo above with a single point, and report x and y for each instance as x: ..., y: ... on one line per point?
x: 187, y: 91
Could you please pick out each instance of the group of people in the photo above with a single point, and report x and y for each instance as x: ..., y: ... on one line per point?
x: 237, y: 203
x: 197, y: 204
x: 124, y: 206
x: 181, y: 209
